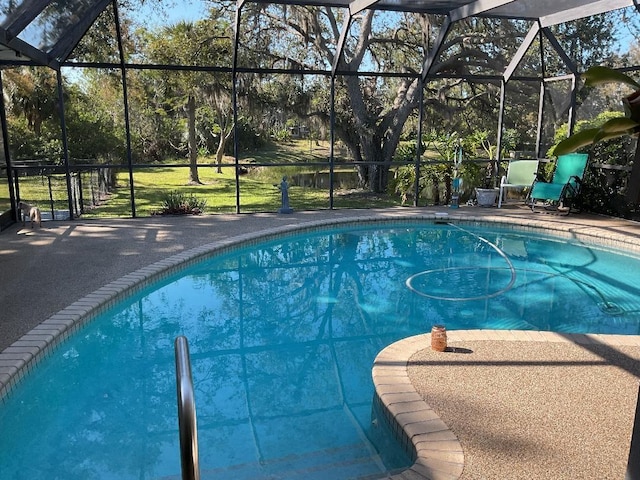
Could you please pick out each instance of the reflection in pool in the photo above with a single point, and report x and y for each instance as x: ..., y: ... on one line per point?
x: 282, y: 338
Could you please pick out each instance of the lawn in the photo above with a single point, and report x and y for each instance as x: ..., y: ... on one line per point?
x: 259, y: 190
x: 218, y: 190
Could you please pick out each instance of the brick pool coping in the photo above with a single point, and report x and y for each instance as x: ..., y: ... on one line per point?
x: 437, y: 453
x: 435, y: 449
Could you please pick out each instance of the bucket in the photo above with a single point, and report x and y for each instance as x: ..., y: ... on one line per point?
x: 439, y: 338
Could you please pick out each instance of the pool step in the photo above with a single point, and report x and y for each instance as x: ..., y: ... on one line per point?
x: 347, y: 462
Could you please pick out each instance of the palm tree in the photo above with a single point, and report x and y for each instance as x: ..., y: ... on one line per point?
x: 32, y: 93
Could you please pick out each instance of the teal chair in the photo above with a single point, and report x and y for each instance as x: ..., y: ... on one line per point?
x: 564, y: 187
x: 520, y: 174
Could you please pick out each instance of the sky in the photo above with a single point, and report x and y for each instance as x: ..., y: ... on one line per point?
x: 173, y: 11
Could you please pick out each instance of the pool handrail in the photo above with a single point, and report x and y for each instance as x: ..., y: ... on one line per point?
x: 186, y: 411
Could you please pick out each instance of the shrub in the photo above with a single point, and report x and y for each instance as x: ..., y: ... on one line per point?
x: 178, y: 203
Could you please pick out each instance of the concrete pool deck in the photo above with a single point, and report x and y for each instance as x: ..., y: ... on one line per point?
x: 53, y: 276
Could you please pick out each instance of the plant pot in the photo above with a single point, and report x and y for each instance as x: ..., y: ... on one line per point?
x: 439, y: 338
x: 486, y: 196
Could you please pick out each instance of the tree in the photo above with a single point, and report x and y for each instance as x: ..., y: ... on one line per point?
x: 203, y: 43
x: 93, y: 131
x: 365, y: 125
x: 32, y: 92
x: 373, y: 110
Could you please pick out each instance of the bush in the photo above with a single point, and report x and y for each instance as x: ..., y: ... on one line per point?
x: 601, y: 193
x: 404, y: 181
x: 406, y: 152
x: 178, y: 203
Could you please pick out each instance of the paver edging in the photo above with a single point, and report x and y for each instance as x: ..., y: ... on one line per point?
x: 433, y: 447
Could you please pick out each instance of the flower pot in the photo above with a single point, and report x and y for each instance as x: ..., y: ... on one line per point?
x: 486, y: 196
x: 439, y: 338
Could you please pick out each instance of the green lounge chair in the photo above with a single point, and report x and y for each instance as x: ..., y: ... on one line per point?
x: 561, y: 192
x: 520, y: 174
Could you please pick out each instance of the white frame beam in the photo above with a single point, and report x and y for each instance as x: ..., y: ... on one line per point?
x: 585, y: 10
x: 522, y: 50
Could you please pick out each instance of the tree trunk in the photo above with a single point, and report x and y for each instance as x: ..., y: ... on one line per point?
x: 378, y: 137
x: 220, y: 154
x: 224, y: 137
x: 193, y: 141
x: 376, y: 174
x: 369, y: 143
x: 435, y: 189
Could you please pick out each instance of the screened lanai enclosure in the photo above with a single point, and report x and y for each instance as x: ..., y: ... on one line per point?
x: 134, y: 107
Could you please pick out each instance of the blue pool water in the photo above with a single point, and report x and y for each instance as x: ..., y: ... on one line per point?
x: 282, y: 338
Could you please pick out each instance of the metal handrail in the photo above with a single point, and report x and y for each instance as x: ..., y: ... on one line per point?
x: 186, y: 412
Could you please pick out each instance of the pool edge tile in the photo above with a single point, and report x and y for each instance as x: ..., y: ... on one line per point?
x: 415, y: 424
x: 436, y: 450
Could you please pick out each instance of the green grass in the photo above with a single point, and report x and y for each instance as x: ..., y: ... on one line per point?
x: 258, y: 193
x: 45, y: 192
x: 217, y: 190
x: 258, y: 188
x: 5, y: 204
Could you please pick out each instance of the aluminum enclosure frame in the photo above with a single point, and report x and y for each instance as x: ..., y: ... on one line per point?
x: 15, y: 50
x: 18, y: 48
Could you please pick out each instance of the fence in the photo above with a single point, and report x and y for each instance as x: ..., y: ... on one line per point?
x: 91, y: 185
x: 42, y: 185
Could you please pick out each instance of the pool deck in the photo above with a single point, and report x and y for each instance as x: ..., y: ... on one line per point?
x: 55, y: 276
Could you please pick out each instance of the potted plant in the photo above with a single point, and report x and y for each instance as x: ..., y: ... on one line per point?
x: 486, y: 196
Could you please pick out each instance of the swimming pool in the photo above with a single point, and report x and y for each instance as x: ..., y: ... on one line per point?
x: 270, y: 393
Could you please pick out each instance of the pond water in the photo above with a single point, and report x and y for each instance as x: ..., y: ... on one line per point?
x: 341, y: 180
